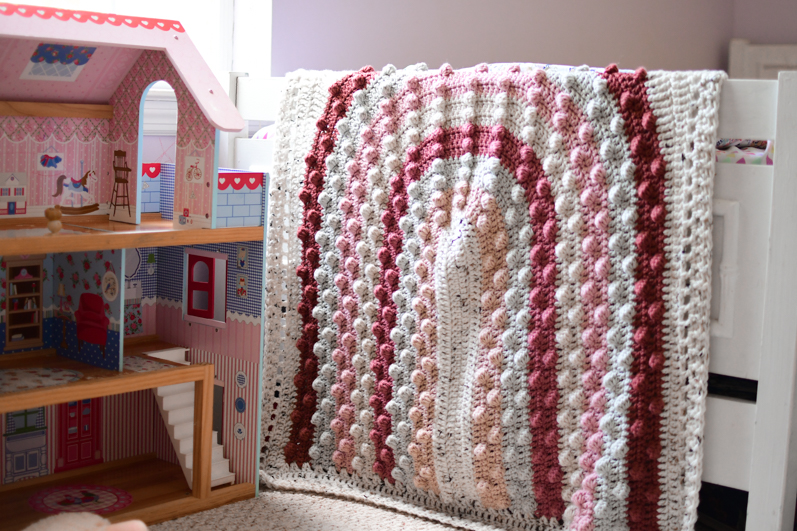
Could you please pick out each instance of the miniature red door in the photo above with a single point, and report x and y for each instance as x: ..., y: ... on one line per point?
x: 79, y: 434
x: 200, y: 286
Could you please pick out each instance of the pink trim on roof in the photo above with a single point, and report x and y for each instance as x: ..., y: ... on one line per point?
x: 90, y: 16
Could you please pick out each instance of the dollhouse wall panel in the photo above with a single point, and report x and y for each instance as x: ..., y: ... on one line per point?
x: 195, y: 153
x: 127, y: 422
x: 45, y: 148
x: 239, y: 340
x: 167, y: 191
x: 86, y: 273
x: 132, y: 426
x: 139, y: 314
x: 239, y: 428
x: 51, y: 430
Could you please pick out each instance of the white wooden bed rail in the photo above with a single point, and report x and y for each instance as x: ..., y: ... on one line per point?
x: 748, y: 446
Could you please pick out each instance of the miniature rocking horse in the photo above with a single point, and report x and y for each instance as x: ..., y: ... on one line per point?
x: 75, y: 196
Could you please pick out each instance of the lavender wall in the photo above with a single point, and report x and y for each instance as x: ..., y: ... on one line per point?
x: 348, y: 34
x: 766, y: 21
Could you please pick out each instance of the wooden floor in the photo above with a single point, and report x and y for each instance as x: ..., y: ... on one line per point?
x: 149, y: 480
x: 98, y: 233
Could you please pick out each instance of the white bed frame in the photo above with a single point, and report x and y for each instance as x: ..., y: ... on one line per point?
x: 748, y: 446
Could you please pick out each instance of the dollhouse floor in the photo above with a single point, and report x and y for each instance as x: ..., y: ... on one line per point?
x: 150, y: 482
x: 87, y: 381
x: 96, y: 233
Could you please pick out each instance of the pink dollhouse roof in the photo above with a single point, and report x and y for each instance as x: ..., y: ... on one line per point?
x: 118, y: 41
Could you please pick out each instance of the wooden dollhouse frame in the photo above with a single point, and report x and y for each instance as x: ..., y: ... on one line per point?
x: 165, y: 52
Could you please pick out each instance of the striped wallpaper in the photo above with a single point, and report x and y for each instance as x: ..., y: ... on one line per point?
x: 240, y: 448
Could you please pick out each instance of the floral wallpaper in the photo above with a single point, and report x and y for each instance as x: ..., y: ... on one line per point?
x: 87, y: 272
x: 83, y: 274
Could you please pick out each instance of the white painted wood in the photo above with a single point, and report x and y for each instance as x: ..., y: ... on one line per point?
x: 254, y: 154
x: 259, y: 97
x: 751, y: 188
x: 728, y: 442
x: 760, y: 61
x: 747, y: 109
x: 773, y: 473
x: 227, y: 139
x: 176, y: 354
x: 722, y: 326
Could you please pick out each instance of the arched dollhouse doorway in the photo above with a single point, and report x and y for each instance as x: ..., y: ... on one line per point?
x: 157, y: 133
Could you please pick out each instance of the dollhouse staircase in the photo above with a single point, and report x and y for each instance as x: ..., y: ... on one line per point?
x: 176, y: 404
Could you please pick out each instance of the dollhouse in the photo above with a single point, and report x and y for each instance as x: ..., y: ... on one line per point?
x: 130, y: 342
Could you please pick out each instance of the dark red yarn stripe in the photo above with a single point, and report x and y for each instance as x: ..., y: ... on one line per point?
x: 520, y: 160
x: 340, y: 96
x: 646, y: 387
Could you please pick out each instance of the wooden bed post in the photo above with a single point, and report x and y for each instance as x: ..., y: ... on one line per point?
x: 203, y: 421
x: 773, y: 472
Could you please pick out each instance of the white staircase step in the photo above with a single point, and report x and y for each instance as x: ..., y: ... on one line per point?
x: 174, y: 389
x: 187, y: 460
x: 185, y: 445
x: 182, y: 430
x: 222, y: 480
x: 171, y: 354
x: 217, y: 468
x: 180, y: 415
x: 176, y: 400
x: 214, y: 482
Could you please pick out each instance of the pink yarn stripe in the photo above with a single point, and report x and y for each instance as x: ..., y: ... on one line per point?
x: 425, y: 374
x: 488, y: 465
x: 569, y: 120
x: 348, y: 303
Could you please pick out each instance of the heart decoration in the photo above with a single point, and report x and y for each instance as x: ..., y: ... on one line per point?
x: 161, y: 24
x: 237, y: 180
x: 252, y: 180
x: 152, y: 170
x: 41, y: 12
x: 95, y: 18
x: 222, y: 180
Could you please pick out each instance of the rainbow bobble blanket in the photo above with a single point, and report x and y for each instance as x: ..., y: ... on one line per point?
x: 488, y: 293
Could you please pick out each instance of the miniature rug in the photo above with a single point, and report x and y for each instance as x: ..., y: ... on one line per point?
x: 12, y: 380
x: 488, y: 293
x: 97, y: 499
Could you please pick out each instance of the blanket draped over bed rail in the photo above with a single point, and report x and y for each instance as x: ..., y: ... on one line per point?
x: 488, y: 293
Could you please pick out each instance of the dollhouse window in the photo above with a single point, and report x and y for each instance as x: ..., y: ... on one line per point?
x: 205, y: 287
x: 57, y: 62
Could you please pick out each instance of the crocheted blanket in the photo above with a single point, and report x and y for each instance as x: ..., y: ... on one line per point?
x: 488, y: 293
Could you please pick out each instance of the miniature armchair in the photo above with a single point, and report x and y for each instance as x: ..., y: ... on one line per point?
x: 92, y: 324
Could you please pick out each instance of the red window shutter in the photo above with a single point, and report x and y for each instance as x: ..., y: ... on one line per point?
x: 201, y: 277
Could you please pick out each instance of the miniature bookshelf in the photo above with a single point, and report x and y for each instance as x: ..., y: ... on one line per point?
x: 24, y: 318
